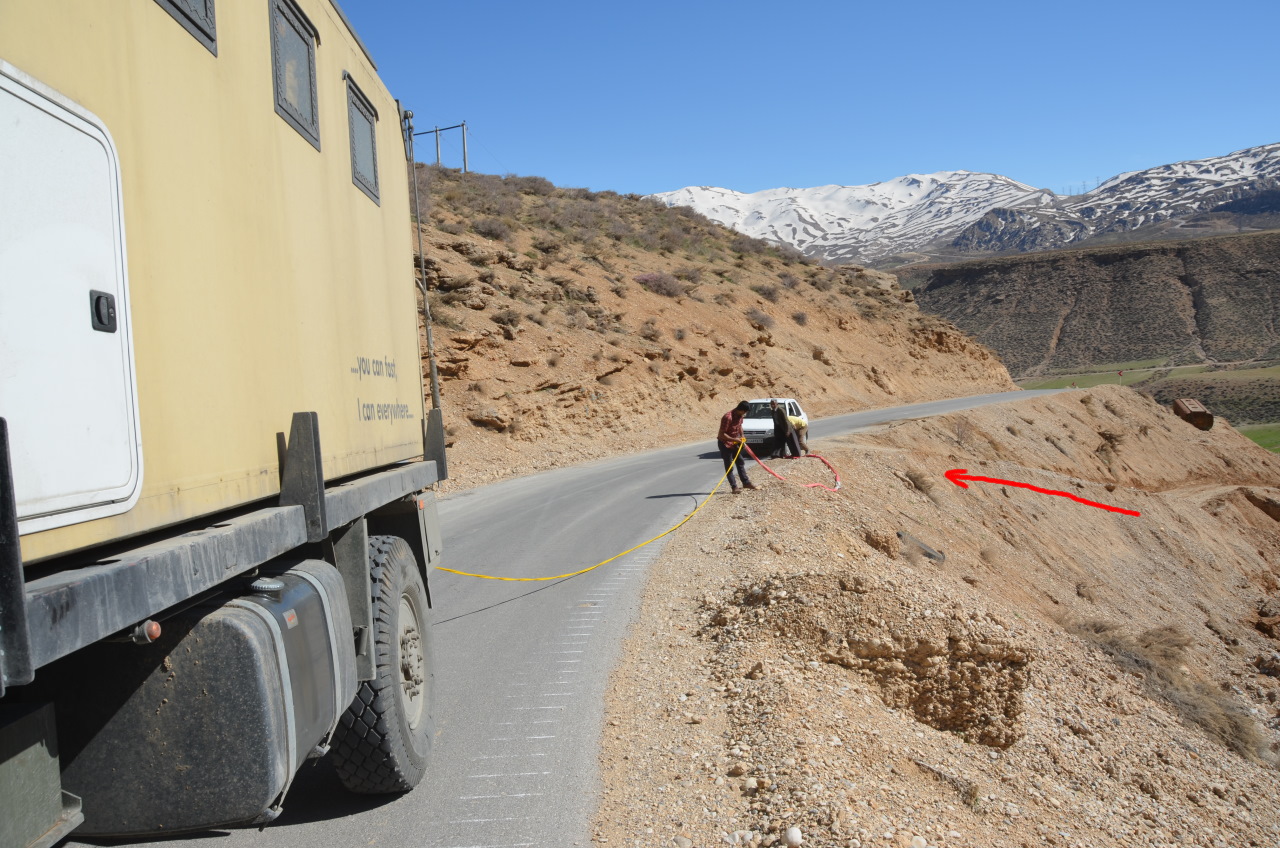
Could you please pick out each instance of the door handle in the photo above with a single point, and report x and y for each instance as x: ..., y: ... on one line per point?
x: 102, y: 311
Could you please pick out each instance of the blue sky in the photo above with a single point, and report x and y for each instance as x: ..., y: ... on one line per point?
x: 747, y: 95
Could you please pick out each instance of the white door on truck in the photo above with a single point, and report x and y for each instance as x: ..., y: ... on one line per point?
x: 66, y: 355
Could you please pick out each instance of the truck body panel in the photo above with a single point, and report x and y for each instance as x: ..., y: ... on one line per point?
x: 263, y: 280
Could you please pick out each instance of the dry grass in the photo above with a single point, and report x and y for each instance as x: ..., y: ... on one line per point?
x: 923, y: 484
x: 1158, y: 657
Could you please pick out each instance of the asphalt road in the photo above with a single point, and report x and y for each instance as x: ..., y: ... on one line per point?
x: 522, y: 667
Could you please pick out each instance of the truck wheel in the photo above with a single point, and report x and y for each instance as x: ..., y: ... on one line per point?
x: 384, y: 738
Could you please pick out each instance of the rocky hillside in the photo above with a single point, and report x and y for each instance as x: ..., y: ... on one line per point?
x: 956, y: 214
x: 570, y: 325
x: 904, y: 664
x: 1174, y: 303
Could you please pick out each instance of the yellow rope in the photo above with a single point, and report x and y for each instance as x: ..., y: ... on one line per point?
x: 612, y: 558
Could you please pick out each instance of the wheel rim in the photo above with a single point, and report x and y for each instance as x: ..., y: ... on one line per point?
x: 413, y: 666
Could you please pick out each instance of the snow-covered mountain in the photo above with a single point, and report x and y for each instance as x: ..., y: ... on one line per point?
x: 962, y: 212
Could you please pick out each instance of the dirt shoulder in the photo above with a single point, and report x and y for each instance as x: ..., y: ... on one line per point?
x: 905, y: 663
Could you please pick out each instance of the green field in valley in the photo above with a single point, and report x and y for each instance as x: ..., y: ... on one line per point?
x: 1272, y: 372
x: 1134, y: 372
x: 1267, y: 435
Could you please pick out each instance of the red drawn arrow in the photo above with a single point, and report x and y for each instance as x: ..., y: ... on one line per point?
x: 959, y: 475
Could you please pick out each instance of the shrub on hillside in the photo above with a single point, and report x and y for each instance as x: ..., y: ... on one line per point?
x: 539, y: 186
x: 492, y: 228
x: 800, y: 318
x: 759, y: 320
x: 791, y: 255
x: 769, y: 293
x: 507, y: 317
x: 660, y: 282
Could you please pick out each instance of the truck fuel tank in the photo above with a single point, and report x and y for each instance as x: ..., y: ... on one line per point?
x: 206, y: 726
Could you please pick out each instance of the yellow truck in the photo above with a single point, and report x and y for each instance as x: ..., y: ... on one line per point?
x: 216, y: 464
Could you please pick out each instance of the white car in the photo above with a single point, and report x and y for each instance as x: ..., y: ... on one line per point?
x: 757, y: 424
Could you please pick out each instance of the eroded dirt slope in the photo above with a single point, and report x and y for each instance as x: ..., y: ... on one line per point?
x: 903, y: 662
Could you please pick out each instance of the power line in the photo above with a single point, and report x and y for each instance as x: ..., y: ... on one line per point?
x: 494, y: 156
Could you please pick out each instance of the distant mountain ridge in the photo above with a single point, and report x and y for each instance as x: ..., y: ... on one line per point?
x: 1201, y: 301
x: 959, y: 214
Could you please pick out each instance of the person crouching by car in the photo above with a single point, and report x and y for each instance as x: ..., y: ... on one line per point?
x: 801, y: 428
x: 728, y: 439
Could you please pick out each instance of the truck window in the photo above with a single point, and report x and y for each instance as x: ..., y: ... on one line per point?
x: 363, y: 119
x: 293, y: 63
x: 196, y: 16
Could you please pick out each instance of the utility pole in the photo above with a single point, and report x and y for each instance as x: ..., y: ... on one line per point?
x: 437, y: 130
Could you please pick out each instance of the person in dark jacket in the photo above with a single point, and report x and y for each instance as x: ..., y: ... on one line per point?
x: 784, y: 435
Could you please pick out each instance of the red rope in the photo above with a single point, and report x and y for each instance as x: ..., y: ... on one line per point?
x: 823, y: 459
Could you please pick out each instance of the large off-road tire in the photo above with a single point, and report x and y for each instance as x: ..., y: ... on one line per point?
x: 384, y: 738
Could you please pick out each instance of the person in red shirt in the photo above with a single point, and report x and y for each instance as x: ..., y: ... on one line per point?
x: 727, y: 440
